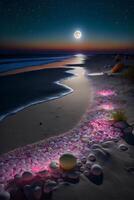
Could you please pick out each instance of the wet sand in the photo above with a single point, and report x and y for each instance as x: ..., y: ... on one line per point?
x: 49, y: 118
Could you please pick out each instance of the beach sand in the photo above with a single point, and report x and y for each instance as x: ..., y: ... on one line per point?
x: 117, y: 165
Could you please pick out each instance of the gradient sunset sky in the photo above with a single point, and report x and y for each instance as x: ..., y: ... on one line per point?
x: 50, y: 24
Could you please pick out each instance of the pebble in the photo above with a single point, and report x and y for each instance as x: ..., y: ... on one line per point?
x: 88, y: 165
x: 73, y: 177
x: 27, y: 191
x: 54, y: 165
x: 92, y: 157
x: 67, y: 161
x: 4, y: 195
x: 86, y: 173
x: 27, y: 176
x: 37, y: 192
x: 123, y: 147
x: 101, y: 154
x: 96, y: 169
x: 83, y: 160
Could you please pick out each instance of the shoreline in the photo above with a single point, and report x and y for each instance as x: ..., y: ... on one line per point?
x: 35, y: 123
x: 46, y: 99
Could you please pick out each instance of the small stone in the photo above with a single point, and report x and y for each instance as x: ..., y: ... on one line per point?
x: 82, y: 169
x: 86, y: 173
x: 27, y: 176
x: 123, y: 147
x: 54, y: 165
x: 79, y: 163
x: 37, y: 192
x: 27, y: 191
x: 50, y: 186
x: 73, y: 177
x: 17, y: 177
x: 83, y: 160
x: 88, y: 165
x: 67, y: 161
x: 96, y: 170
x: 101, y: 154
x: 4, y: 195
x: 92, y: 157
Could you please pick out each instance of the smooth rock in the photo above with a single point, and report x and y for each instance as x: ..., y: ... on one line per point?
x: 27, y: 176
x: 96, y: 169
x: 101, y: 154
x: 86, y: 173
x: 92, y: 157
x: 123, y: 147
x: 67, y: 162
x: 82, y: 169
x: 84, y: 160
x: 27, y: 191
x: 73, y: 177
x: 79, y: 164
x: 37, y: 192
x: 88, y: 165
x: 54, y: 165
x: 4, y: 195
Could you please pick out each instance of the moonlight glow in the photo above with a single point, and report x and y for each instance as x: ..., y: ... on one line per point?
x: 77, y: 34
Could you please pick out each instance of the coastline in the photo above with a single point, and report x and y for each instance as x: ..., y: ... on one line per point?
x: 47, y: 119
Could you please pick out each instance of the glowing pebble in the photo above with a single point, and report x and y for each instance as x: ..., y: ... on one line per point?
x: 67, y: 161
x: 54, y: 165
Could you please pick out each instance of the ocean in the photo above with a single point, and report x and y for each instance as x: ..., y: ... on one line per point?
x: 23, y: 90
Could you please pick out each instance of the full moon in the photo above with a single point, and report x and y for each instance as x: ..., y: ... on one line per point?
x: 77, y: 34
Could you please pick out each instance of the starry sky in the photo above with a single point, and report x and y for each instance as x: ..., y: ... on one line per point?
x: 50, y: 24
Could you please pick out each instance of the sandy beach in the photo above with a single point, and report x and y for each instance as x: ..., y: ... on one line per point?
x: 80, y: 122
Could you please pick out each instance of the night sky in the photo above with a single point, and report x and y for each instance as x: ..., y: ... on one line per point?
x: 50, y: 24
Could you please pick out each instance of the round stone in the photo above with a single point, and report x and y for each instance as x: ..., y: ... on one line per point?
x: 88, y: 164
x: 84, y: 160
x: 86, y: 173
x: 54, y: 165
x: 67, y: 161
x: 27, y: 176
x: 123, y: 147
x: 79, y: 164
x: 4, y: 195
x: 96, y: 170
x: 92, y: 157
x: 37, y: 192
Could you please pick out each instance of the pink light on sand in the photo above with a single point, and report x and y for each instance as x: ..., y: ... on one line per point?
x: 106, y: 93
x: 107, y: 106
